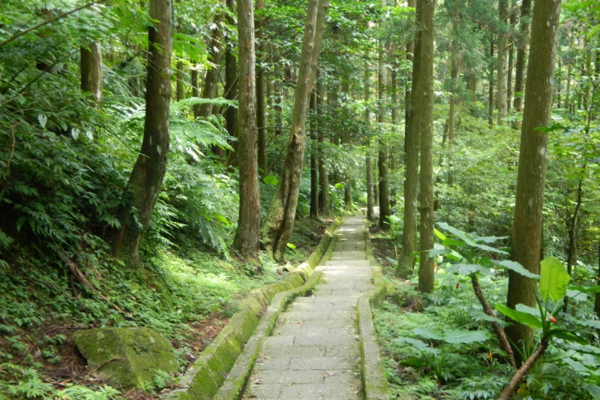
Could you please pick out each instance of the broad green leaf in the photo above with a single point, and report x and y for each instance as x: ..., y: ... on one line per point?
x: 554, y: 279
x: 488, y: 248
x: 439, y: 234
x: 222, y: 219
x: 467, y: 239
x: 427, y: 333
x: 291, y: 246
x: 586, y: 289
x: 577, y: 295
x: 528, y: 310
x: 271, y: 180
x: 594, y: 391
x: 592, y: 323
x: 452, y: 242
x: 438, y: 252
x: 468, y: 269
x: 465, y: 337
x: 419, y: 344
x: 518, y: 268
x: 576, y: 365
x: 479, y: 315
x: 456, y: 232
x: 42, y: 120
x: 520, y: 317
x: 490, y: 239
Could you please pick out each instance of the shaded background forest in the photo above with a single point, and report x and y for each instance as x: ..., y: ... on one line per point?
x: 72, y: 86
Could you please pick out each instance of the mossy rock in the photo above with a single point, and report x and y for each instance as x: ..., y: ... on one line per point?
x: 126, y: 357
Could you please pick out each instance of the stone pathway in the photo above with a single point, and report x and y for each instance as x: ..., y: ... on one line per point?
x: 314, y: 351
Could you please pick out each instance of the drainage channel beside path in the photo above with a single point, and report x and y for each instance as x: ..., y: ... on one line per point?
x: 314, y: 352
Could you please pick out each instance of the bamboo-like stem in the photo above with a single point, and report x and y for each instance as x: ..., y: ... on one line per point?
x: 504, y: 343
x: 508, y: 391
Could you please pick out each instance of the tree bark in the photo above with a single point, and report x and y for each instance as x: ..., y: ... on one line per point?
x: 279, y: 222
x: 345, y: 139
x: 368, y: 160
x: 179, y: 84
x: 247, y: 238
x: 261, y: 111
x: 382, y: 162
x: 91, y: 71
x: 149, y: 170
x: 411, y: 159
x: 521, y: 52
x: 491, y: 86
x: 425, y: 107
x: 511, y: 57
x: 323, y: 177
x: 454, y: 69
x: 215, y: 54
x: 195, y: 89
x: 314, y: 168
x: 231, y: 78
x: 527, y: 228
x: 501, y: 96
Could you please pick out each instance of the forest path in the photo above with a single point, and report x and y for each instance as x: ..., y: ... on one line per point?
x: 314, y: 352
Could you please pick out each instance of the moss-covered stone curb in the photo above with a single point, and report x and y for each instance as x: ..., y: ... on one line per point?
x: 126, y: 357
x: 234, y: 385
x: 204, y: 378
x: 373, y: 374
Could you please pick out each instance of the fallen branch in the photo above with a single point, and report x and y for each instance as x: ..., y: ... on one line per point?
x: 504, y: 343
x: 508, y: 391
x: 82, y: 279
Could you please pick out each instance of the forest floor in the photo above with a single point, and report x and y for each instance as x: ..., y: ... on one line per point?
x: 41, y: 348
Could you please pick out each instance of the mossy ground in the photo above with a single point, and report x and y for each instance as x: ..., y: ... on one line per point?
x: 186, y: 293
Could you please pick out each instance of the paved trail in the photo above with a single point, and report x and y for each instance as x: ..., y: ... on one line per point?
x: 314, y: 351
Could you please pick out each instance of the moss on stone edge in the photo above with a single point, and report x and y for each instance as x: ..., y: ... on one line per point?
x: 373, y: 374
x: 235, y: 383
x: 207, y: 374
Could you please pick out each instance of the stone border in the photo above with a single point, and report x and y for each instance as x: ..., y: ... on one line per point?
x: 204, y: 378
x: 375, y: 385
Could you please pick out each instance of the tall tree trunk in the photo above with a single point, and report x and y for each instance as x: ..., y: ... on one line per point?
x: 91, y: 71
x: 149, y: 170
x: 323, y: 177
x: 491, y: 87
x: 425, y: 107
x: 278, y: 109
x: 509, y: 79
x: 333, y: 103
x: 247, y: 237
x: 368, y: 160
x: 195, y: 89
x: 231, y: 77
x: 215, y: 54
x: 597, y: 297
x: 382, y: 162
x: 527, y: 228
x: 179, y: 81
x: 521, y: 53
x: 314, y: 168
x: 501, y: 97
x: 454, y: 69
x: 261, y: 111
x: 511, y: 55
x: 279, y: 222
x: 411, y: 158
x: 345, y: 139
